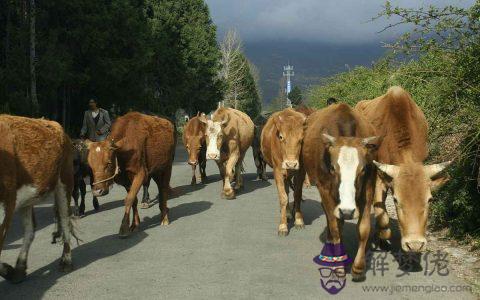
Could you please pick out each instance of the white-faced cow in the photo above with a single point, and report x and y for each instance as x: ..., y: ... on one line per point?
x: 229, y: 135
x: 139, y: 147
x: 36, y: 163
x: 400, y: 161
x: 281, y: 143
x: 338, y: 152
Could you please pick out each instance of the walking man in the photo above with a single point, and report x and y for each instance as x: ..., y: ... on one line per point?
x: 96, y: 123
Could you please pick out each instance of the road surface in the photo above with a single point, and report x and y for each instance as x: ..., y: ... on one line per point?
x: 212, y: 249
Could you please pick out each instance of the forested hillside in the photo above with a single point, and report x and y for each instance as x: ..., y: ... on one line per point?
x: 152, y: 55
x: 440, y: 66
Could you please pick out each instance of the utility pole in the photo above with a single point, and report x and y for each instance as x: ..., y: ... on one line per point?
x: 288, y: 73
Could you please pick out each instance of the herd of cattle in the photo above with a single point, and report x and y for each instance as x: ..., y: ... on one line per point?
x: 353, y: 156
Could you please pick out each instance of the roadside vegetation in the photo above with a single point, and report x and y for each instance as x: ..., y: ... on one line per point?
x: 438, y: 62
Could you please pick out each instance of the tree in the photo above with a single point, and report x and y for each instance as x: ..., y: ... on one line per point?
x: 240, y: 77
x: 33, y: 74
x: 295, y: 96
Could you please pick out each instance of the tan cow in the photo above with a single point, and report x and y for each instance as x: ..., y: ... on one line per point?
x: 36, y: 163
x: 139, y: 147
x: 338, y: 150
x: 194, y: 142
x: 281, y: 143
x: 229, y: 135
x: 404, y: 149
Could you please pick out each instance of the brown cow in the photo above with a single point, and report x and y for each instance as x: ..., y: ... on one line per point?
x: 281, y: 143
x: 194, y: 142
x: 404, y: 149
x: 138, y: 147
x: 36, y: 163
x: 338, y: 149
x: 229, y: 135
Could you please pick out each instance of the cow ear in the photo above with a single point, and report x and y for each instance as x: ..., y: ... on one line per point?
x: 438, y: 182
x: 225, y: 120
x: 115, y: 145
x: 372, y: 143
x: 203, y: 118
x: 328, y: 139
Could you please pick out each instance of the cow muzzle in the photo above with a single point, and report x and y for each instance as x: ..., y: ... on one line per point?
x: 290, y: 165
x: 193, y: 162
x: 100, y: 192
x: 415, y: 245
x: 213, y: 156
x: 343, y: 213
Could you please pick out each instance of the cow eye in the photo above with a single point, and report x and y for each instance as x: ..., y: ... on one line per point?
x: 430, y: 199
x: 280, y: 136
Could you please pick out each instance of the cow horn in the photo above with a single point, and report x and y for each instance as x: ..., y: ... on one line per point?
x: 433, y: 170
x: 329, y: 139
x: 390, y: 170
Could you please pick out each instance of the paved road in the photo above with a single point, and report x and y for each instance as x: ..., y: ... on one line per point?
x: 213, y: 249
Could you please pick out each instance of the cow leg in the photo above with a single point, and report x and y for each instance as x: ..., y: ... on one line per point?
x: 146, y: 195
x: 165, y: 184
x: 194, y: 177
x: 83, y: 191
x: 283, y: 201
x: 228, y: 192
x: 202, y: 162
x: 297, y: 195
x: 137, y: 183
x: 28, y: 221
x: 363, y: 227
x: 62, y: 194
x: 264, y: 170
x: 382, y: 221
x: 334, y: 225
x: 238, y: 176
x: 6, y: 271
x: 76, y: 195
x: 136, y: 216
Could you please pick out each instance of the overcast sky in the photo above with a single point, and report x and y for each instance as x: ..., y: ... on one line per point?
x: 332, y: 21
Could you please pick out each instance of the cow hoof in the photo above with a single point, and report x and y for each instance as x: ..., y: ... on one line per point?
x: 358, y: 277
x: 204, y: 180
x: 282, y: 230
x: 18, y: 276
x: 144, y: 205
x: 382, y: 244
x: 229, y: 195
x: 124, y: 232
x: 165, y: 221
x: 193, y: 182
x: 96, y: 206
x: 133, y: 228
x: 65, y: 266
x: 6, y: 271
x: 299, y: 224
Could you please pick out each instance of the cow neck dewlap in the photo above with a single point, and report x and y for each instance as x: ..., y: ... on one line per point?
x: 348, y: 162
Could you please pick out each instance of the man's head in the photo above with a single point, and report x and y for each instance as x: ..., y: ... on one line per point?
x: 331, y: 101
x: 92, y: 104
x: 347, y: 161
x: 412, y: 185
x: 289, y: 126
x: 102, y: 159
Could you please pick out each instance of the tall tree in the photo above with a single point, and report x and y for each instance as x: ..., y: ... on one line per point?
x: 33, y: 74
x: 295, y: 96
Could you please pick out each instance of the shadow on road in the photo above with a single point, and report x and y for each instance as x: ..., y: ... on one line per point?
x: 176, y: 213
x: 38, y: 282
x: 311, y: 210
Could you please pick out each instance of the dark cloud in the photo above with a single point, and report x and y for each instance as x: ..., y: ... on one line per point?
x: 333, y: 21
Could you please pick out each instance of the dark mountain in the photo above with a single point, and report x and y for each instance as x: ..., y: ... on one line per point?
x: 312, y: 61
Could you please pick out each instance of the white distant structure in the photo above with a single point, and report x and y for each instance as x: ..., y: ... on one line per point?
x: 288, y: 73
